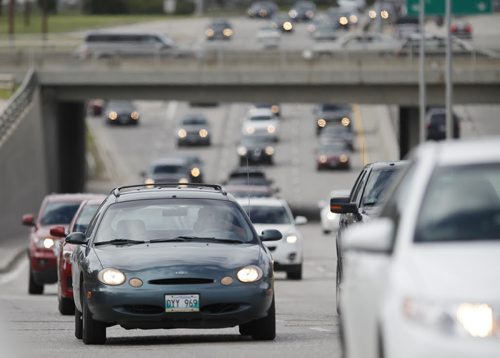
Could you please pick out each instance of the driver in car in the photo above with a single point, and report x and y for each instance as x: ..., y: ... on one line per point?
x: 215, y: 221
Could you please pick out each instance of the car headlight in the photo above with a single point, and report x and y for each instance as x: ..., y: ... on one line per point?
x: 45, y: 243
x: 343, y: 20
x: 228, y: 32
x: 209, y: 32
x: 343, y: 158
x: 291, y: 239
x: 249, y: 274
x: 321, y: 123
x: 384, y: 14
x: 293, y: 14
x: 353, y: 19
x: 271, y: 129
x: 112, y: 115
x: 323, y: 159
x: 287, y: 26
x: 181, y: 133
x: 372, y: 14
x: 269, y: 150
x: 134, y: 116
x: 111, y: 276
x: 331, y: 216
x: 195, y: 172
x: 203, y: 133
x: 242, y: 151
x: 345, y: 121
x: 465, y: 319
x: 275, y: 108
x: 250, y: 129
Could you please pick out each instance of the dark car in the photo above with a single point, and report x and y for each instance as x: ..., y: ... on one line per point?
x: 333, y: 155
x: 436, y: 124
x: 302, y: 11
x: 79, y: 223
x: 95, y: 106
x: 365, y: 198
x: 219, y: 29
x: 172, y: 257
x: 248, y: 176
x: 262, y: 9
x: 193, y: 129
x: 256, y: 149
x: 337, y: 133
x: 179, y: 169
x: 330, y: 113
x: 283, y: 22
x: 121, y: 112
x: 56, y: 210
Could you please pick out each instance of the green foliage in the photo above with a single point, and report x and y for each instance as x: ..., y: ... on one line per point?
x: 145, y: 6
x: 184, y: 7
x: 106, y: 7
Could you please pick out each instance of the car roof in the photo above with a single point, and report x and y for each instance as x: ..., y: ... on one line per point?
x: 272, y: 201
x: 388, y: 164
x: 70, y: 197
x: 177, y: 191
x: 484, y: 150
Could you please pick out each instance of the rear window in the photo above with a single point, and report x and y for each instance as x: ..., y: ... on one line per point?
x: 59, y: 212
x: 261, y: 214
x: 461, y: 203
x: 168, y: 169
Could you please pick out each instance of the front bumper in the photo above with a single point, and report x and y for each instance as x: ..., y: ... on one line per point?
x: 194, y: 139
x: 285, y: 254
x: 43, y: 265
x: 144, y: 307
x: 334, y: 164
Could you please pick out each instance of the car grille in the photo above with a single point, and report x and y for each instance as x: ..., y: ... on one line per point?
x: 142, y: 309
x: 220, y: 308
x: 181, y: 281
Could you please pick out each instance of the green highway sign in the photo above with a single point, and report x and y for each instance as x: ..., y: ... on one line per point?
x: 458, y: 7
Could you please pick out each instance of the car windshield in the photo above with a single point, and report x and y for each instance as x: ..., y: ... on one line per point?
x: 377, y: 184
x: 264, y: 214
x: 83, y: 220
x: 173, y: 219
x: 194, y: 121
x: 461, y: 203
x: 169, y: 169
x: 334, y: 147
x: 119, y: 105
x: 261, y: 118
x: 256, y: 139
x: 59, y: 212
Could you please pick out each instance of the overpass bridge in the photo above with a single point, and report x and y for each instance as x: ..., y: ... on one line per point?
x: 42, y: 141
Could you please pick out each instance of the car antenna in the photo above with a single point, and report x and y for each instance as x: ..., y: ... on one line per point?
x: 248, y: 192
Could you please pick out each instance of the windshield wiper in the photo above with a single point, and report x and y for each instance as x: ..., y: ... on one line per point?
x: 185, y: 238
x: 120, y: 242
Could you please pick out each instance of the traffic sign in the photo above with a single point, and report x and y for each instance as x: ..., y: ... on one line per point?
x: 458, y: 7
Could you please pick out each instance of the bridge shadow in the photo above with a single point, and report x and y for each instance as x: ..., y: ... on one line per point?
x: 176, y: 340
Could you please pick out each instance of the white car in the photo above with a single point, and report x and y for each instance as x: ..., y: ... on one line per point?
x: 261, y: 121
x: 267, y: 213
x: 329, y: 220
x: 421, y: 279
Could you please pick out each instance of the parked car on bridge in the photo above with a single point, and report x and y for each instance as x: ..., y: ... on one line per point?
x: 262, y: 9
x: 193, y: 129
x: 177, y: 169
x: 255, y: 149
x: 219, y: 29
x: 63, y: 251
x: 420, y: 279
x: 100, y: 45
x: 172, y: 257
x: 361, y: 204
x: 273, y: 213
x: 55, y: 210
x: 121, y: 112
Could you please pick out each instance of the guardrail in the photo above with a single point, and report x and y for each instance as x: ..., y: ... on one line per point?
x: 16, y: 105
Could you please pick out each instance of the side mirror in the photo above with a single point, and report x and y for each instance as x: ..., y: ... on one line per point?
x: 300, y: 220
x: 58, y: 231
x: 342, y: 206
x: 271, y: 235
x: 374, y: 236
x: 28, y: 220
x: 76, y: 238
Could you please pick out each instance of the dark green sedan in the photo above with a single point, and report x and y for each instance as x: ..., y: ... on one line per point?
x: 172, y: 256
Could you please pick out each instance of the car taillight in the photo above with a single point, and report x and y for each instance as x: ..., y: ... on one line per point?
x: 468, y: 28
x: 453, y: 28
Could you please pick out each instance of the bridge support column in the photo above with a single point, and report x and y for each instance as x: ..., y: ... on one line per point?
x: 64, y: 137
x: 408, y: 129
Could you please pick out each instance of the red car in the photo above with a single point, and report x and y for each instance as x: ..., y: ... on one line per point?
x: 79, y: 223
x: 56, y: 209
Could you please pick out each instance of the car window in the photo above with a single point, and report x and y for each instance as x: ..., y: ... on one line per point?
x: 376, y: 185
x: 263, y: 214
x: 83, y: 220
x: 461, y: 203
x: 59, y: 212
x: 171, y: 218
x: 169, y: 169
x: 358, y: 186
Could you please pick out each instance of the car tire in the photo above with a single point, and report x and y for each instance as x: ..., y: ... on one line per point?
x: 66, y: 306
x: 295, y: 273
x: 33, y: 287
x: 263, y: 329
x: 337, y: 295
x: 94, y: 332
x: 78, y: 324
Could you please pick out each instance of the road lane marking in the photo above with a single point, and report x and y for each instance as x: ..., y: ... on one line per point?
x: 320, y: 329
x: 360, y: 130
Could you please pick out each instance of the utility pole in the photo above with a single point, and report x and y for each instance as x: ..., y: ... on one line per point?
x: 45, y: 25
x: 10, y: 30
x: 421, y: 74
x: 448, y: 74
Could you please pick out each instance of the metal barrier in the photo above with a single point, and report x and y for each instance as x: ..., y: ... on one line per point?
x: 16, y: 105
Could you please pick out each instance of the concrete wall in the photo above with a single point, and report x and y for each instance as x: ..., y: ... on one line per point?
x: 23, y: 173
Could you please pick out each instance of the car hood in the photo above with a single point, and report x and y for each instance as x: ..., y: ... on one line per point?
x: 184, y: 256
x: 456, y: 272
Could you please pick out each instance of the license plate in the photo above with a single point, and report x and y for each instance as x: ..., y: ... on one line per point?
x: 182, y: 303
